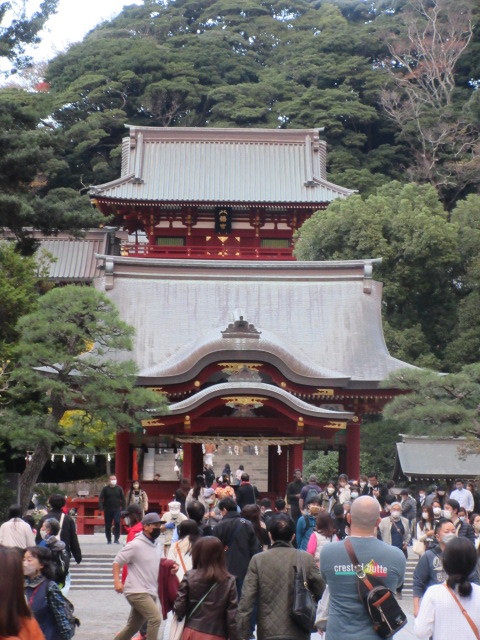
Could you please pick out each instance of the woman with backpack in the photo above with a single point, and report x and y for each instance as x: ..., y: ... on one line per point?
x: 16, y: 620
x: 43, y: 595
x: 324, y: 533
x: 50, y: 534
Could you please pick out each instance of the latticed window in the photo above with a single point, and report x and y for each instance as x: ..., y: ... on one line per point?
x: 170, y: 241
x: 274, y: 243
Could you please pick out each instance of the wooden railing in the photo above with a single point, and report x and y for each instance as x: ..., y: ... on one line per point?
x: 146, y: 250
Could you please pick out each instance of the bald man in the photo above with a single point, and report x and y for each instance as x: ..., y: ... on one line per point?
x: 347, y: 617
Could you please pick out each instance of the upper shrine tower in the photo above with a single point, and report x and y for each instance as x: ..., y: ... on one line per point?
x: 235, y: 194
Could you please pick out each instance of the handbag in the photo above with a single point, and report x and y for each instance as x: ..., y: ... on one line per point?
x: 418, y: 547
x: 304, y: 609
x: 473, y: 626
x: 177, y: 626
x: 382, y: 608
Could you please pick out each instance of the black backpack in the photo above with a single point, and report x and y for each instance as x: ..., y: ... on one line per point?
x: 383, y: 610
x: 61, y: 563
x: 312, y: 492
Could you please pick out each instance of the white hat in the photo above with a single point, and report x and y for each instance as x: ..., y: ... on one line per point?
x: 174, y: 507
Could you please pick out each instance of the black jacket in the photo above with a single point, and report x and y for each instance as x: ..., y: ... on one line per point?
x: 111, y: 499
x: 238, y: 537
x: 68, y: 534
x: 246, y: 494
x: 465, y: 530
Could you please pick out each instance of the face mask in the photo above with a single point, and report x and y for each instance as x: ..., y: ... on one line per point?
x: 362, y: 484
x: 314, y: 510
x: 354, y: 494
x: 441, y: 493
x: 437, y: 511
x: 342, y: 484
x: 462, y: 518
x: 447, y: 537
x: 330, y: 491
x: 28, y: 570
x: 425, y: 516
x: 126, y: 521
x: 477, y: 526
x: 396, y: 515
x: 113, y: 483
x: 43, y: 534
x: 447, y: 514
x: 154, y: 533
x: 136, y: 487
x: 421, y: 496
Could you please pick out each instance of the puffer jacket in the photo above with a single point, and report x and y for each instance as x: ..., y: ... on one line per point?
x: 269, y: 584
x: 217, y: 613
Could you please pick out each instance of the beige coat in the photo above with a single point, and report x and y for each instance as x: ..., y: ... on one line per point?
x: 16, y: 533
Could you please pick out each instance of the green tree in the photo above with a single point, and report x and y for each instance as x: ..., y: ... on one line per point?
x: 55, y: 373
x: 19, y: 27
x: 219, y: 63
x: 29, y: 160
x: 408, y: 227
x: 439, y: 405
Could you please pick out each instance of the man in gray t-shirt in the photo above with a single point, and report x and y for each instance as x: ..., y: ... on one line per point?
x: 347, y: 617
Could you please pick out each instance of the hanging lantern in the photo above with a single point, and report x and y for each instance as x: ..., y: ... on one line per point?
x: 279, y: 450
x: 64, y: 458
x: 230, y: 452
x: 203, y: 449
x: 52, y: 457
x: 73, y: 458
x: 88, y: 458
x: 109, y: 457
x: 256, y: 450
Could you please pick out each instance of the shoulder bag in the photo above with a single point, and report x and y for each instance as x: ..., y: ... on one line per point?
x: 304, y: 608
x: 382, y: 608
x: 177, y: 626
x: 473, y: 626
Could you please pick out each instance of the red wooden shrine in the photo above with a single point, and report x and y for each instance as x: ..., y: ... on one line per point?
x: 248, y: 345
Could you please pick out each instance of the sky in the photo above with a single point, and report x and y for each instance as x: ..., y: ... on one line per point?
x: 72, y: 21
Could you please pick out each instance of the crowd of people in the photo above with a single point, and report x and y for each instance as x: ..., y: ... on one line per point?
x: 221, y: 563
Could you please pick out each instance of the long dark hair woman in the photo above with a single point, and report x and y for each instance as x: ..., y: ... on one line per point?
x: 182, y: 492
x: 43, y: 595
x: 454, y: 606
x: 207, y: 596
x: 252, y: 512
x: 15, y: 616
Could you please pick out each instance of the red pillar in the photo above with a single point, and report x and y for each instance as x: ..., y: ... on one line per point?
x: 295, y: 459
x: 122, y: 458
x: 353, y: 449
x: 187, y: 461
x: 342, y: 459
x: 277, y: 470
x: 134, y: 464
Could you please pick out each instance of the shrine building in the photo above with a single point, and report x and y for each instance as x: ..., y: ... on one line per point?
x: 251, y: 347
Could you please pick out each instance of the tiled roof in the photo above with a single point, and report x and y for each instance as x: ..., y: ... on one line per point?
x: 429, y: 458
x: 187, y: 164
x: 323, y: 319
x: 75, y: 257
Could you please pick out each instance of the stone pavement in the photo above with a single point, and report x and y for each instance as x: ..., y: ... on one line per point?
x: 104, y: 612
